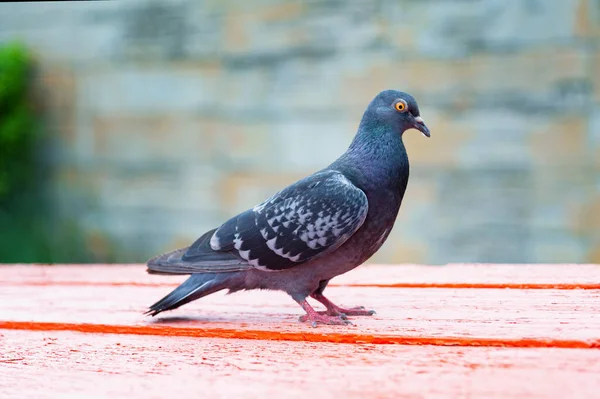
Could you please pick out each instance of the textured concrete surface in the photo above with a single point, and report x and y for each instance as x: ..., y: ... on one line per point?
x: 167, y: 118
x: 461, y: 331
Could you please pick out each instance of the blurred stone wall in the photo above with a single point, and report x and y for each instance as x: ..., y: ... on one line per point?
x: 169, y: 117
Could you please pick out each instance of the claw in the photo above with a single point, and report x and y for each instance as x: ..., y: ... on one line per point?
x: 332, y: 316
x: 333, y: 309
x: 318, y: 318
x: 357, y: 311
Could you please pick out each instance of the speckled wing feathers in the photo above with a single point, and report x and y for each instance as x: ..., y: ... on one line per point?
x: 300, y: 223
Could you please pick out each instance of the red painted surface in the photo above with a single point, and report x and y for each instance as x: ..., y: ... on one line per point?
x: 62, y: 364
x: 303, y: 336
x: 519, y: 276
x: 439, y: 332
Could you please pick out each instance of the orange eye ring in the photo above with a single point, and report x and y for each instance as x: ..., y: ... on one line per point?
x: 401, y: 106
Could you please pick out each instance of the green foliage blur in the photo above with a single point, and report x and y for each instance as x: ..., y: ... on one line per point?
x: 17, y: 132
x: 29, y: 231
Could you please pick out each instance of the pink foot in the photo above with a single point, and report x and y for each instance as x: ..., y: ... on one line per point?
x: 334, y: 310
x: 356, y: 311
x: 323, y: 318
x: 315, y: 318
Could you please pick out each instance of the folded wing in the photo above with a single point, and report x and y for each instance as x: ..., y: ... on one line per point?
x: 306, y: 220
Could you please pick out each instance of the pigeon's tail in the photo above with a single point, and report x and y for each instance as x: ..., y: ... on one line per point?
x: 195, y: 287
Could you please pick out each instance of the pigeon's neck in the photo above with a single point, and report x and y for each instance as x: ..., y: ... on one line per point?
x: 376, y: 159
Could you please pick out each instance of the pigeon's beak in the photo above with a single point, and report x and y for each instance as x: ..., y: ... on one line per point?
x: 420, y: 126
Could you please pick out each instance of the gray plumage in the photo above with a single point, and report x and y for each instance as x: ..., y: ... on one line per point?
x: 311, y: 231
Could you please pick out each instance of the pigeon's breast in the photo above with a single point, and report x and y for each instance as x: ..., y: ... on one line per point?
x: 376, y: 229
x: 383, y: 210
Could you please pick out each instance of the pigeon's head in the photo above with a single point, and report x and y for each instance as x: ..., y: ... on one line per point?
x: 398, y: 110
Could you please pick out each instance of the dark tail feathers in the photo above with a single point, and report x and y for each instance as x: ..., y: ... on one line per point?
x: 195, y: 287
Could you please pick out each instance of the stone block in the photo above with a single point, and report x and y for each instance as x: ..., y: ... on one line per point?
x: 481, y: 214
x: 449, y: 136
x: 537, y: 69
x: 270, y: 34
x: 242, y: 190
x: 595, y: 76
x: 452, y: 29
x: 584, y: 218
x: 415, y: 229
x: 293, y: 85
x: 558, y: 246
x: 562, y: 140
x: 493, y: 195
x: 64, y: 32
x: 307, y: 146
x: 150, y: 231
x: 499, y: 138
x: 237, y: 145
x: 563, y: 200
x: 146, y: 90
x: 181, y: 188
x: 483, y: 243
x: 262, y: 30
x: 587, y: 19
x: 525, y: 82
x: 154, y: 138
x: 398, y: 252
x: 56, y: 100
x: 593, y: 137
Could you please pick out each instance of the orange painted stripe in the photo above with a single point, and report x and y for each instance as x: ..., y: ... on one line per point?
x: 307, y: 336
x: 516, y: 286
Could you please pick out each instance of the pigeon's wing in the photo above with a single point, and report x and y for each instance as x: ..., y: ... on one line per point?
x: 306, y: 220
x: 199, y: 258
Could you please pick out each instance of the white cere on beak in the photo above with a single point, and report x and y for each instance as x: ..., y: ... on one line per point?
x: 418, y: 119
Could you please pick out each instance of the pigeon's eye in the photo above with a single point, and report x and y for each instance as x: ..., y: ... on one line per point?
x: 401, y: 106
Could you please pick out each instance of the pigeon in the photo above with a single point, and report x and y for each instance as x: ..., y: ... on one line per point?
x: 313, y: 230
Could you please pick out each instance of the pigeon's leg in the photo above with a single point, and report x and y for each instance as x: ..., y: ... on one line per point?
x: 333, y: 309
x: 315, y: 317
